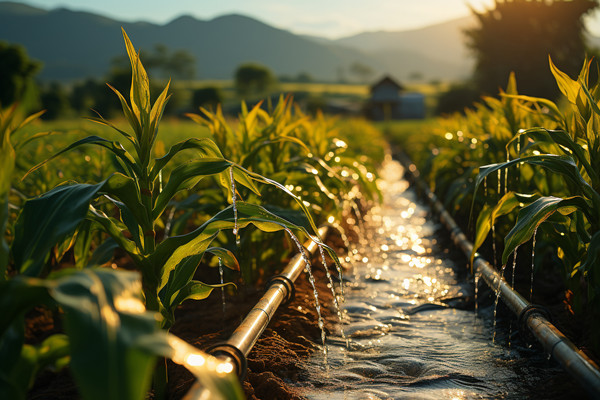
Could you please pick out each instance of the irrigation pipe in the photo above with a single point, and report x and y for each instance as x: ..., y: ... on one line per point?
x: 536, y: 318
x: 280, y: 290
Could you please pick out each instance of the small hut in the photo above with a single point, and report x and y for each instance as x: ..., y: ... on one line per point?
x: 388, y: 101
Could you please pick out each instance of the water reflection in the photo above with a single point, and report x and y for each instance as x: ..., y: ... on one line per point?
x: 412, y: 327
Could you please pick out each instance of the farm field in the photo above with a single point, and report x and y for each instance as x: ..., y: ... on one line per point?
x: 261, y: 239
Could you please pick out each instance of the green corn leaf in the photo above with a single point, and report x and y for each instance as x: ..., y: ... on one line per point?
x: 195, y: 290
x: 130, y: 221
x: 115, y: 229
x: 48, y: 219
x: 103, y: 253
x: 487, y: 218
x: 555, y: 113
x: 186, y: 176
x: 131, y: 118
x: 140, y: 87
x: 115, y: 147
x: 205, y: 146
x: 157, y: 112
x: 562, y: 165
x: 567, y: 86
x: 81, y: 249
x: 113, y: 340
x: 227, y: 258
x: 53, y: 351
x: 242, y: 177
x: 126, y: 190
x: 564, y: 142
x: 533, y: 215
x: 181, y: 265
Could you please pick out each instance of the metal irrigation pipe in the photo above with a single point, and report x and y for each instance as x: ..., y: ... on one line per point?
x: 280, y: 290
x: 536, y: 318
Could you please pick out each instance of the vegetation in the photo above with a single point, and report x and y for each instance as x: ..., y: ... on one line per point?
x: 527, y: 169
x: 517, y: 36
x: 169, y: 205
x: 253, y: 79
x: 16, y: 74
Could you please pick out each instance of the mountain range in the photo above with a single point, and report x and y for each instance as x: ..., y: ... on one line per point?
x: 75, y: 45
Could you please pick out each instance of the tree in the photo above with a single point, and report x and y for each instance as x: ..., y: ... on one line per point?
x: 253, y: 78
x: 518, y: 35
x: 55, y: 101
x: 206, y: 97
x: 16, y: 73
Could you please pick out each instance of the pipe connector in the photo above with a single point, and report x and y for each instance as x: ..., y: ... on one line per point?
x: 290, y: 293
x: 526, y: 312
x: 233, y: 354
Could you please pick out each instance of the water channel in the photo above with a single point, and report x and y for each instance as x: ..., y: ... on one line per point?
x: 411, y: 320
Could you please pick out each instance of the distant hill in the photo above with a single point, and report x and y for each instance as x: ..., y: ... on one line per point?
x: 424, y: 50
x: 75, y: 45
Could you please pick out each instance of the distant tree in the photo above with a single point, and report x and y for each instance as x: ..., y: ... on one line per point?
x: 206, y: 97
x: 253, y: 78
x: 362, y: 71
x: 17, y: 71
x: 519, y: 35
x: 415, y: 76
x: 55, y: 101
x: 456, y: 99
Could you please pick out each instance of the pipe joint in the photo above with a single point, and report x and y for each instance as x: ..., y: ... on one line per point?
x: 290, y: 293
x: 526, y: 312
x: 235, y: 355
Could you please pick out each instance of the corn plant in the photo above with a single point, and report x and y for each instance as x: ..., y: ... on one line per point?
x: 303, y: 154
x: 10, y: 123
x: 569, y: 212
x: 129, y: 204
x: 111, y: 342
x: 140, y: 197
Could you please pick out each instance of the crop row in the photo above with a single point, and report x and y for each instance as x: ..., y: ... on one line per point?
x: 526, y: 169
x: 236, y: 190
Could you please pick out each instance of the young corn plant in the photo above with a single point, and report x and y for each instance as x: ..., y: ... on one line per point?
x: 302, y: 153
x: 569, y: 213
x: 140, y: 192
x: 107, y: 330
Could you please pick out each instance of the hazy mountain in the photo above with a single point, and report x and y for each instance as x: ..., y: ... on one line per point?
x: 434, y: 47
x: 74, y: 45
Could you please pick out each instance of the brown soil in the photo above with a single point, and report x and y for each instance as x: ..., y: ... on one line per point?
x: 276, y: 359
x: 273, y: 364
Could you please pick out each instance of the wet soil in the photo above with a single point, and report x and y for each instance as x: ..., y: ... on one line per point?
x: 274, y: 362
x: 276, y: 359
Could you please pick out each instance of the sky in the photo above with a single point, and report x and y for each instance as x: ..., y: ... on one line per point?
x: 328, y: 18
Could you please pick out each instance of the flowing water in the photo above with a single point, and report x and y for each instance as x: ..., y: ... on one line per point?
x: 412, y: 326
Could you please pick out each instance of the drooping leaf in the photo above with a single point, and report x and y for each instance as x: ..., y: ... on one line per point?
x: 195, y: 290
x: 487, y: 218
x: 48, y: 219
x: 226, y: 257
x: 115, y: 147
x: 533, y: 215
